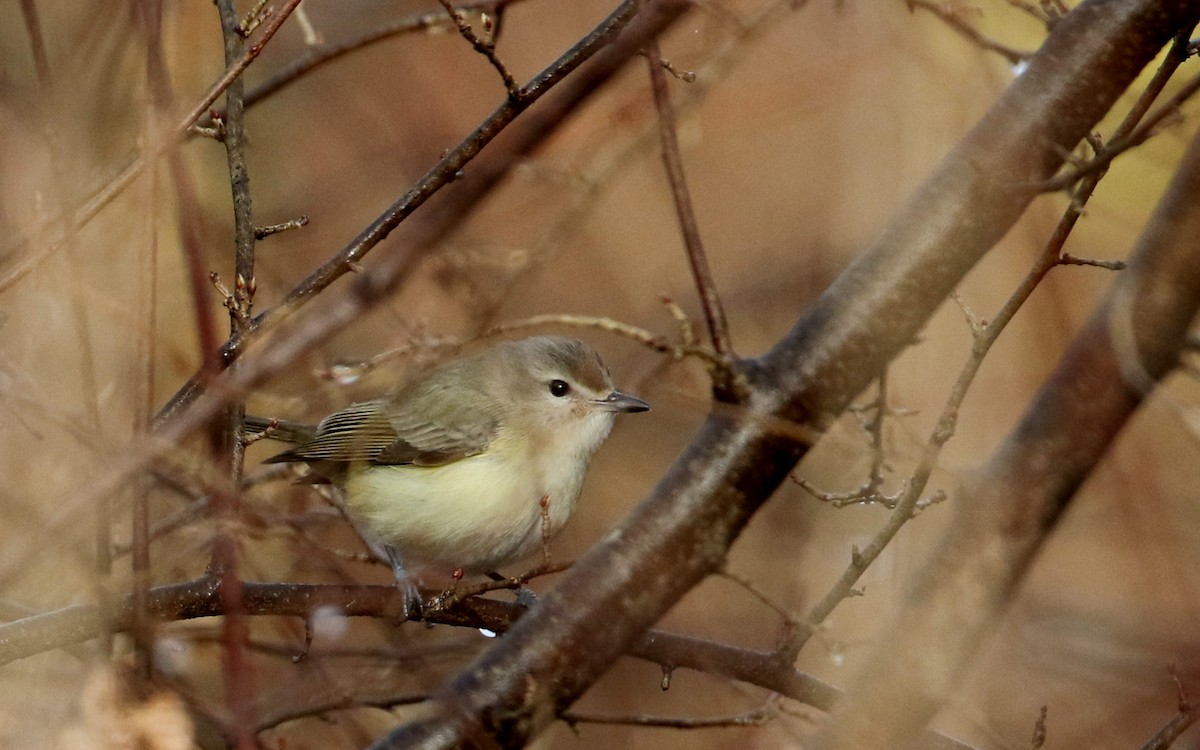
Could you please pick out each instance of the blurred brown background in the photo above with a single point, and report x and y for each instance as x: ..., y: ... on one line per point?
x: 800, y: 141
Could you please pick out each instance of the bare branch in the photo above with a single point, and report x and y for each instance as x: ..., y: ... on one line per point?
x: 263, y: 232
x: 1186, y: 716
x: 953, y: 18
x: 1136, y: 137
x: 1039, y: 730
x: 226, y: 505
x: 714, y: 312
x: 318, y: 56
x: 485, y: 48
x: 1066, y: 259
x: 755, y: 717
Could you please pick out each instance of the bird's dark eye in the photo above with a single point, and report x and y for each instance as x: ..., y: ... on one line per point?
x: 559, y: 388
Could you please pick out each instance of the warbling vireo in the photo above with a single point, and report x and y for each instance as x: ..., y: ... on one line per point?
x: 457, y: 469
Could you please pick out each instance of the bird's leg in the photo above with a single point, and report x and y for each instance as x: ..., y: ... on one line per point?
x: 405, y: 582
x: 525, y: 596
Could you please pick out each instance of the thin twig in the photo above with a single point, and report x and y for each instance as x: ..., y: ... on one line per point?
x: 953, y: 18
x: 714, y: 313
x: 753, y: 589
x: 253, y: 18
x: 1119, y: 145
x: 453, y: 596
x: 1039, y: 730
x: 647, y: 338
x: 487, y: 49
x: 1066, y: 259
x: 868, y: 492
x: 1186, y: 716
x: 316, y: 57
x: 263, y: 232
x: 1046, y: 11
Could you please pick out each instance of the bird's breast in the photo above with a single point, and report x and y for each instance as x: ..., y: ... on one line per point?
x: 479, y: 513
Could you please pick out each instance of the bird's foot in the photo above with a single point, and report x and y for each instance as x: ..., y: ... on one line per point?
x: 410, y: 595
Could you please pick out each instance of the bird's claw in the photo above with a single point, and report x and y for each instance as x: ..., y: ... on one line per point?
x: 410, y: 595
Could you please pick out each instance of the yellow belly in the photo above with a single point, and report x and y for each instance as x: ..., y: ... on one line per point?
x: 477, y: 513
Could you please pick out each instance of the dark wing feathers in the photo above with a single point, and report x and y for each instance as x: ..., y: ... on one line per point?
x: 426, y: 444
x: 356, y: 433
x: 365, y: 432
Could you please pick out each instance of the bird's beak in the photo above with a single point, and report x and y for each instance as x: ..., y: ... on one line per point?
x: 621, y: 402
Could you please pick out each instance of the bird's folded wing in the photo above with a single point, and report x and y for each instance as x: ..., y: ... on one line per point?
x: 434, y: 432
x: 365, y: 432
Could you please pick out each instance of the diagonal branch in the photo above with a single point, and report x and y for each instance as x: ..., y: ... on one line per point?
x: 485, y: 48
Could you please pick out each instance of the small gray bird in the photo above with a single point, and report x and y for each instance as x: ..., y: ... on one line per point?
x: 456, y: 470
